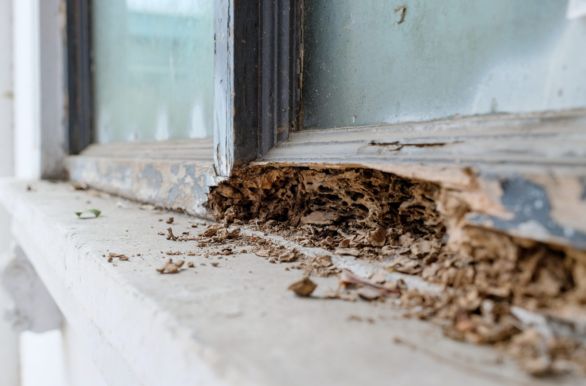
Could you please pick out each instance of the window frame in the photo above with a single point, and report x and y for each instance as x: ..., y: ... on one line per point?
x: 257, y: 75
x: 258, y: 90
x: 257, y: 78
x: 79, y: 75
x: 258, y: 112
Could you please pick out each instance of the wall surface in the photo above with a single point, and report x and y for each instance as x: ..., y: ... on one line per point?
x: 9, y: 360
x: 42, y: 360
x: 34, y: 29
x: 39, y: 86
x: 6, y: 90
x: 27, y: 89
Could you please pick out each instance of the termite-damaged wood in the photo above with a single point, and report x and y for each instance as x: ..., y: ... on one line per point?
x: 421, y: 228
x: 336, y: 208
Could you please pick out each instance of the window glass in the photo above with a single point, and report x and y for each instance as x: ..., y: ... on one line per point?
x: 387, y: 61
x: 153, y: 69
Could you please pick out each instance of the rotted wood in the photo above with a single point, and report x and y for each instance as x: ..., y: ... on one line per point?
x: 524, y: 175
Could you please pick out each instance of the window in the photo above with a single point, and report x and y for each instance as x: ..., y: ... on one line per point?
x: 382, y: 62
x: 152, y: 70
x: 444, y: 92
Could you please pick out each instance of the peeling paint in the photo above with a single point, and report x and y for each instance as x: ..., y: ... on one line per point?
x: 177, y: 185
x: 536, y: 213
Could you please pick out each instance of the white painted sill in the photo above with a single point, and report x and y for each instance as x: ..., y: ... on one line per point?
x: 235, y: 324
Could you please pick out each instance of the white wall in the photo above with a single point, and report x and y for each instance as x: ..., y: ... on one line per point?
x: 39, y: 87
x: 27, y: 89
x: 39, y: 109
x: 80, y: 369
x: 6, y: 89
x: 42, y: 358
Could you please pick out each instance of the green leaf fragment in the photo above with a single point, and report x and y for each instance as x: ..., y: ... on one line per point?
x: 88, y: 213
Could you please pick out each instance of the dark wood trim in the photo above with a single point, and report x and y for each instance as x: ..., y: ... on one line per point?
x: 280, y: 93
x: 246, y: 85
x: 257, y: 78
x: 79, y: 74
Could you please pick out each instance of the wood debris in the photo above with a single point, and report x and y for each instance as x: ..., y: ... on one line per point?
x: 119, y: 256
x: 303, y: 288
x: 170, y: 235
x: 171, y: 267
x: 420, y: 229
x: 350, y: 211
x: 366, y: 289
x: 80, y: 186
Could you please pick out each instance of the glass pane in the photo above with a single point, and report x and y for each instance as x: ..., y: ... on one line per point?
x: 386, y: 61
x: 153, y: 69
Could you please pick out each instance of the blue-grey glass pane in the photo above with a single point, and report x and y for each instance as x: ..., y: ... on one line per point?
x: 153, y: 69
x: 387, y: 61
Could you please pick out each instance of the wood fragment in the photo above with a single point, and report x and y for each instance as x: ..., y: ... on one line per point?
x: 171, y: 267
x: 303, y: 288
x: 170, y: 235
x: 121, y: 257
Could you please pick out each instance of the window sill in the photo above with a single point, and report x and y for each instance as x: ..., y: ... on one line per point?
x: 232, y: 324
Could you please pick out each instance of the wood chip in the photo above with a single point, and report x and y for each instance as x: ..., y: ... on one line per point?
x: 171, y: 267
x: 119, y: 256
x: 348, y: 251
x: 80, y: 186
x: 303, y: 288
x: 378, y: 238
x: 170, y: 235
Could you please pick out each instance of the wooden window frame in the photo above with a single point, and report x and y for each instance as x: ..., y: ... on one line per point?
x: 256, y: 81
x: 256, y: 90
x: 258, y: 77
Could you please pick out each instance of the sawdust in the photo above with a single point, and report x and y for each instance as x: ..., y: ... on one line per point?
x: 220, y: 240
x: 420, y: 227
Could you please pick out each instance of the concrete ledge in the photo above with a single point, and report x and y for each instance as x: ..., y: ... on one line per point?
x: 234, y: 324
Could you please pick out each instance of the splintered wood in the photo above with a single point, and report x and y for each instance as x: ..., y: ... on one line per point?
x: 419, y: 228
